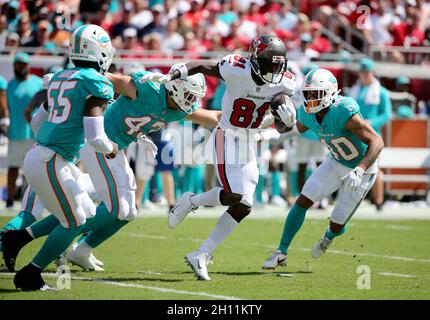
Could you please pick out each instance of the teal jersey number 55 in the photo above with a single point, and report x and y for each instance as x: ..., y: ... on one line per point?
x: 344, y: 146
x: 67, y: 94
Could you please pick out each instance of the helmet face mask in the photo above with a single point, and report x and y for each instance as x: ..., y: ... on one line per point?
x: 319, y: 90
x: 187, y: 93
x: 268, y: 57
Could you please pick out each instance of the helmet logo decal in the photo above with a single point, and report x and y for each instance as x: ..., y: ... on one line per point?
x: 259, y: 46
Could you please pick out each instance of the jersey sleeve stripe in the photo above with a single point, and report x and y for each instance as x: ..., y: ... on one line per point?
x: 59, y: 192
x: 220, y: 143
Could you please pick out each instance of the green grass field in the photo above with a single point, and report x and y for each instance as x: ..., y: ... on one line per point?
x: 145, y: 261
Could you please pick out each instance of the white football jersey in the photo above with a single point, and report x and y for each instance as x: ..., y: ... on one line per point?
x: 244, y: 103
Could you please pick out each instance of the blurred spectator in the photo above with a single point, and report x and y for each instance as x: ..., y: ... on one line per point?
x: 380, y: 22
x: 375, y: 107
x: 173, y: 40
x: 12, y: 15
x: 20, y: 91
x: 40, y: 35
x: 320, y: 43
x: 3, y: 30
x: 12, y: 41
x: 401, y: 95
x: 130, y: 43
x: 125, y: 22
x: 288, y: 18
x: 58, y: 36
x: 156, y: 25
x: 4, y: 112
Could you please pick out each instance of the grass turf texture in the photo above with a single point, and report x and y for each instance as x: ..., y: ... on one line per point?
x: 148, y: 254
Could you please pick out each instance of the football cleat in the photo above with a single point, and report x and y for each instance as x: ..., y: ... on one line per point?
x: 181, y: 210
x: 81, y: 260
x: 96, y: 261
x: 13, y: 241
x: 277, y: 259
x: 30, y: 278
x: 198, y: 261
x: 320, y: 247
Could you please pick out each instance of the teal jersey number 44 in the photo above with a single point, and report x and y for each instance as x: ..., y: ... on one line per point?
x: 126, y: 120
x: 67, y: 94
x: 344, y: 146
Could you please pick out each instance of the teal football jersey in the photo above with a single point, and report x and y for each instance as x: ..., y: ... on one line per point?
x: 344, y: 147
x: 126, y: 119
x: 67, y: 94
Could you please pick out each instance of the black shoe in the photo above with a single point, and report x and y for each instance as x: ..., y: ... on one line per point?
x: 379, y: 207
x: 9, y: 203
x: 30, y: 278
x: 13, y: 241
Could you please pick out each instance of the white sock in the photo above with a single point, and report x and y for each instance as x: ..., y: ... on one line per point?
x: 208, y: 198
x: 28, y: 229
x: 224, y: 227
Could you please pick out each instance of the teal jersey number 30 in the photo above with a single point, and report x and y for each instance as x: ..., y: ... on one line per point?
x: 344, y: 146
x: 67, y: 94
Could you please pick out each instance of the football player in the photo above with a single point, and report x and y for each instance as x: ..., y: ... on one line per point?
x: 49, y: 166
x: 350, y: 169
x: 251, y: 83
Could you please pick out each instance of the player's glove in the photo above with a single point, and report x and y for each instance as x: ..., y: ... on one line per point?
x: 287, y: 113
x: 156, y: 77
x: 353, y: 179
x: 149, y: 146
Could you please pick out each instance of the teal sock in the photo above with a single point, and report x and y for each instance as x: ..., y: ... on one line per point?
x: 44, y: 226
x: 331, y: 235
x: 293, y: 223
x: 95, y: 238
x: 200, y: 177
x: 21, y: 221
x: 100, y: 220
x: 58, y: 241
x: 276, y: 179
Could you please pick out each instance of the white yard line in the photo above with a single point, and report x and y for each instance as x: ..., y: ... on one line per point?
x: 362, y: 254
x: 141, y: 286
x: 390, y: 274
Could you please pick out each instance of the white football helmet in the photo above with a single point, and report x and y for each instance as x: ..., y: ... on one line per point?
x: 187, y: 93
x: 319, y: 90
x: 91, y: 43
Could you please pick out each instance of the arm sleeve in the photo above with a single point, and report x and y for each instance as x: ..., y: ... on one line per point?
x: 40, y: 116
x: 95, y: 134
x: 384, y: 111
x: 98, y: 86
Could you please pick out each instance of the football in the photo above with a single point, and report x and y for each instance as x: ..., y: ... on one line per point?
x: 278, y: 100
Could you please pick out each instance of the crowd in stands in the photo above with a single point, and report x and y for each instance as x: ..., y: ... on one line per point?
x: 199, y: 26
x: 159, y: 28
